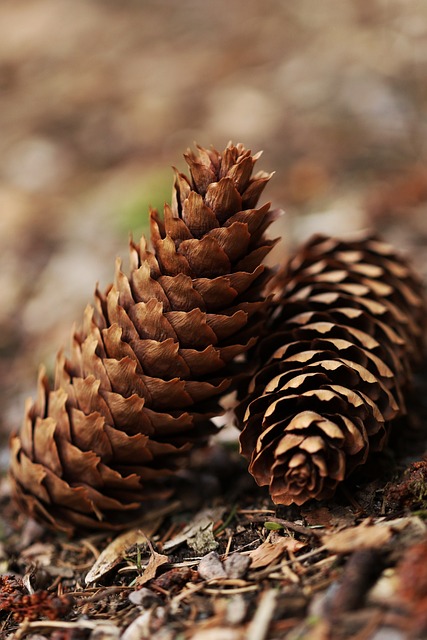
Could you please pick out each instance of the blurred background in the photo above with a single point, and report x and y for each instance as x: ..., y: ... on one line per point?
x: 99, y: 98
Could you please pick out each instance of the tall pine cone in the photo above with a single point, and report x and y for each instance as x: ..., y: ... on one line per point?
x: 346, y: 337
x: 153, y: 355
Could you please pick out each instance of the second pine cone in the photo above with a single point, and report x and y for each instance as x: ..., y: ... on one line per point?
x: 345, y: 340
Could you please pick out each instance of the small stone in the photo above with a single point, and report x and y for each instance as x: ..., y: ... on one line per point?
x: 211, y: 568
x: 144, y: 597
x: 236, y: 565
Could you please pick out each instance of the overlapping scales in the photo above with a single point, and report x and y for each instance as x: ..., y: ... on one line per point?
x: 153, y: 355
x: 347, y: 335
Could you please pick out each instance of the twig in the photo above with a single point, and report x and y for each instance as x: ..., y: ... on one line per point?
x: 27, y: 626
x: 193, y: 588
x: 230, y: 592
x: 106, y: 591
x: 298, y: 528
x: 360, y: 572
x: 250, y: 511
x: 266, y: 572
x: 89, y: 545
x: 228, y: 547
x: 261, y: 621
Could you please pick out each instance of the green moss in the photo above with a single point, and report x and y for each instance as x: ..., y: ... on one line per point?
x: 418, y: 488
x: 152, y: 192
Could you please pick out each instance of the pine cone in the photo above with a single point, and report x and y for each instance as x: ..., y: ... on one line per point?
x: 346, y: 338
x: 153, y: 356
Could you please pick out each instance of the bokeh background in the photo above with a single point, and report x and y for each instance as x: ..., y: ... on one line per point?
x: 100, y: 97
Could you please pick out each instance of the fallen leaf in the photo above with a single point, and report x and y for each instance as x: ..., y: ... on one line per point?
x: 272, y: 549
x: 364, y: 536
x: 174, y: 579
x: 116, y: 550
x: 198, y: 534
x: 273, y: 526
x: 412, y: 524
x: 331, y: 516
x: 63, y: 572
x: 156, y: 561
x: 317, y: 516
x: 105, y: 631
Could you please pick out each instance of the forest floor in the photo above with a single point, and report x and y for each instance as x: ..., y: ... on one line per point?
x: 223, y: 563
x: 93, y: 110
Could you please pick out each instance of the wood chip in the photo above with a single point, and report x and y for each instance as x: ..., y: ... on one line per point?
x: 364, y: 536
x: 272, y: 549
x: 116, y: 550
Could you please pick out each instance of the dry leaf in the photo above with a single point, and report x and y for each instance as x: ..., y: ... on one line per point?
x: 117, y: 549
x: 362, y: 537
x: 331, y: 516
x: 156, y: 560
x: 272, y: 550
x: 144, y: 598
x: 105, y: 631
x: 202, y: 523
x: 414, y: 526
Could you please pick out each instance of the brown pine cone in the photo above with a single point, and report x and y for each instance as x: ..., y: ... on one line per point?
x: 153, y: 356
x: 347, y: 334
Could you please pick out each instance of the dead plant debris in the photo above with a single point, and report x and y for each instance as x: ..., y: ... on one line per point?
x: 323, y: 571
